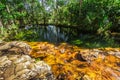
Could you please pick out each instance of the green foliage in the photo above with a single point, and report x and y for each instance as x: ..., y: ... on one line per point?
x: 94, y: 41
x: 26, y: 35
x: 97, y: 14
x: 99, y: 17
x: 8, y: 33
x: 89, y: 15
x: 37, y: 59
x: 2, y: 6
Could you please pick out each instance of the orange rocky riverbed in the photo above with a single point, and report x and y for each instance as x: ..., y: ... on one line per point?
x: 75, y: 63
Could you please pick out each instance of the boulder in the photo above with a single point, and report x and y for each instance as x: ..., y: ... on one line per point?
x: 14, y: 47
x: 23, y: 67
x: 15, y: 64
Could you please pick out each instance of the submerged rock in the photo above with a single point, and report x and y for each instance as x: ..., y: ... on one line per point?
x: 88, y: 55
x: 74, y: 63
x: 85, y: 77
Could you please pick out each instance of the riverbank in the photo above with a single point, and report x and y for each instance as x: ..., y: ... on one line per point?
x: 60, y: 62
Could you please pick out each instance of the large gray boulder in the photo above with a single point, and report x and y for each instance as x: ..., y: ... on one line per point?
x: 16, y: 65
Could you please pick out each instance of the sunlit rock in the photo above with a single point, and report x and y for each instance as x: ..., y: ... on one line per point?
x: 14, y: 47
x: 89, y: 55
x: 17, y: 67
x: 85, y: 77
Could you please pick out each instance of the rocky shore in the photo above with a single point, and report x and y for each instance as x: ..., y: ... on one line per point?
x: 46, y: 61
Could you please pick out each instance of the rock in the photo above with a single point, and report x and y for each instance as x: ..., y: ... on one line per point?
x: 115, y: 75
x: 14, y: 47
x: 87, y: 56
x: 79, y: 57
x: 114, y: 53
x: 85, y: 77
x: 23, y: 67
x: 117, y: 54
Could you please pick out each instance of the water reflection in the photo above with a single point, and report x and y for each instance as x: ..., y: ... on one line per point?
x: 52, y: 33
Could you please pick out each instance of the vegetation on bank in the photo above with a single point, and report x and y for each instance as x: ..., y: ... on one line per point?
x: 97, y: 17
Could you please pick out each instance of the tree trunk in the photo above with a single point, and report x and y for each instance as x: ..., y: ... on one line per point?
x: 8, y: 10
x: 1, y: 27
x: 1, y: 24
x: 80, y: 4
x: 44, y: 13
